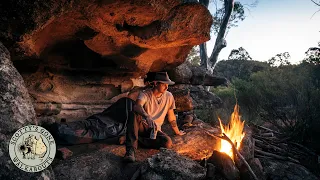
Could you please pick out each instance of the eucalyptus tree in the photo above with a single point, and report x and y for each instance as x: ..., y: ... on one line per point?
x: 239, y: 54
x: 227, y: 15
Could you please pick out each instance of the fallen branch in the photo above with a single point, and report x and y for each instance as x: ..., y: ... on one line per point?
x: 277, y: 156
x: 269, y: 134
x: 274, y: 139
x: 269, y: 146
x: 225, y: 137
x: 264, y: 128
x: 304, y: 148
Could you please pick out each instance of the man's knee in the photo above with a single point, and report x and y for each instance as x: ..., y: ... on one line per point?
x: 166, y: 142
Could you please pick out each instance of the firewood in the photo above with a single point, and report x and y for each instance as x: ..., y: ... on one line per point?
x: 264, y: 138
x: 276, y: 156
x: 304, y: 148
x: 268, y: 146
x: 225, y: 137
x: 264, y: 128
x: 269, y: 134
x: 257, y: 140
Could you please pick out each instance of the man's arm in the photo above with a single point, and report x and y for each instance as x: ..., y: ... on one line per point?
x: 173, y: 121
x: 138, y: 108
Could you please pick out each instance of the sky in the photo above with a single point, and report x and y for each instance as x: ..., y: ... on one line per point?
x: 272, y: 27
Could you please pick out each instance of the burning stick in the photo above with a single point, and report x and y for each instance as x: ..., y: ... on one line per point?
x: 224, y: 137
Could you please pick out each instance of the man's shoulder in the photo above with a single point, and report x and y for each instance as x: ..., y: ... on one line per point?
x: 169, y: 94
x: 147, y: 91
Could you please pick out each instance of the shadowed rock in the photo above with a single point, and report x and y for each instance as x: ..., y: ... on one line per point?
x: 16, y: 111
x: 169, y: 165
x: 285, y: 170
x: 195, y: 75
x: 145, y: 35
x: 224, y: 165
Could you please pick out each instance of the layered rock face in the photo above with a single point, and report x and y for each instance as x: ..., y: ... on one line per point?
x: 132, y: 36
x: 78, y: 57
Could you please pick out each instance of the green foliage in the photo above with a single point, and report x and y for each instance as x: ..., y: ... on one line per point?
x: 280, y: 59
x: 287, y: 96
x: 237, y: 15
x: 313, y: 55
x: 227, y: 94
x: 194, y: 56
x: 242, y: 69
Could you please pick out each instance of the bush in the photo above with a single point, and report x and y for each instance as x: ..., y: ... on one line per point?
x: 286, y: 96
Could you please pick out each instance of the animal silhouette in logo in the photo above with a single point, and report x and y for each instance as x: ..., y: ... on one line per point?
x: 32, y: 147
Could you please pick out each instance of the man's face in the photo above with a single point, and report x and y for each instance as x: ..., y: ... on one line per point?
x: 162, y: 87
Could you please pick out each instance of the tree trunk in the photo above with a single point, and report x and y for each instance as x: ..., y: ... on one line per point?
x: 203, y: 55
x: 203, y: 47
x: 220, y: 41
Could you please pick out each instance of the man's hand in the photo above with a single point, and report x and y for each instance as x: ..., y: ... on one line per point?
x: 181, y: 133
x: 138, y: 108
x: 150, y: 122
x: 173, y: 121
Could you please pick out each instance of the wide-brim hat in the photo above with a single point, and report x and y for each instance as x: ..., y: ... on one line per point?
x: 163, y: 78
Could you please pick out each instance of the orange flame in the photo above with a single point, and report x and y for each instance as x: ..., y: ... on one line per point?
x: 234, y: 131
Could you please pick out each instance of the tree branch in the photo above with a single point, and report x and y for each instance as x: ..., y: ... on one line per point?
x: 220, y: 41
x: 314, y: 13
x: 318, y: 4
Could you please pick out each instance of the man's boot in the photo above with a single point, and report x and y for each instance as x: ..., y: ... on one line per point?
x: 130, y: 155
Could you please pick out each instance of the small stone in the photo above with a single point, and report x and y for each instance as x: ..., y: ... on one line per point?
x: 64, y: 153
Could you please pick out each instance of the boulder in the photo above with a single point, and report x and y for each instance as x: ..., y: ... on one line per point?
x: 181, y: 74
x: 94, y: 165
x: 195, y: 75
x: 203, y: 99
x: 15, y: 104
x: 168, y: 165
x: 198, y: 143
x: 16, y: 111
x: 224, y: 165
x: 190, y: 97
x: 201, y: 76
x: 182, y: 98
x: 106, y: 163
x: 247, y: 144
x: 285, y: 170
x: 256, y: 167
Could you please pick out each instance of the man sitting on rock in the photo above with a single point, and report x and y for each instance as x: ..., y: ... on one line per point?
x: 144, y: 123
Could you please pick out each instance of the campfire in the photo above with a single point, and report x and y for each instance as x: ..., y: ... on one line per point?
x: 270, y: 146
x: 234, y: 131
